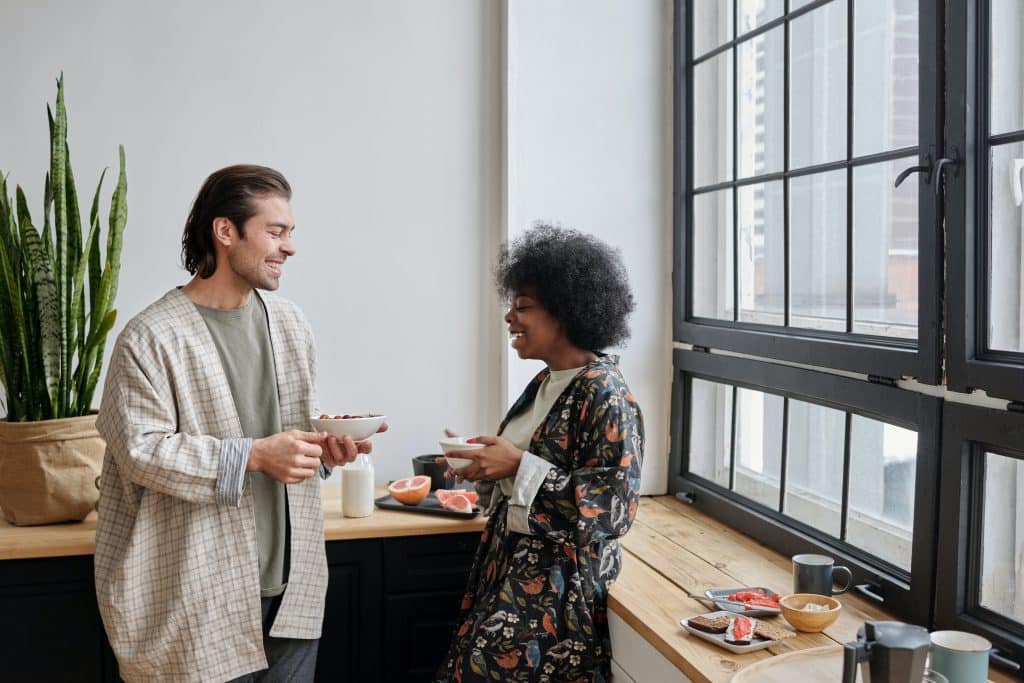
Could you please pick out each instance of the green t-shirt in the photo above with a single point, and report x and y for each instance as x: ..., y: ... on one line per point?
x: 242, y: 338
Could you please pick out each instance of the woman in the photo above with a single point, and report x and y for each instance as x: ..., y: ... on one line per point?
x: 566, y: 462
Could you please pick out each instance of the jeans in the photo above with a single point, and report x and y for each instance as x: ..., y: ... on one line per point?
x: 289, y: 659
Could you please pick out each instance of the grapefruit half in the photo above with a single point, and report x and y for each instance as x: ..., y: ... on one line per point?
x: 445, y: 494
x: 411, y: 490
x: 457, y: 503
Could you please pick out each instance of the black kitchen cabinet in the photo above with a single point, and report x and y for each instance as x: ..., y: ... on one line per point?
x: 352, y: 623
x: 50, y: 628
x: 424, y: 579
x: 391, y: 605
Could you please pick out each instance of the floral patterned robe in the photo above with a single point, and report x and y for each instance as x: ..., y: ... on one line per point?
x: 535, y: 605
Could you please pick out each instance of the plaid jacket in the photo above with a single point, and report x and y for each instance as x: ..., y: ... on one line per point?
x: 177, y: 570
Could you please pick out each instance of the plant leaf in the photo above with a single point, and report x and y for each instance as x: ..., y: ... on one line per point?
x: 48, y: 309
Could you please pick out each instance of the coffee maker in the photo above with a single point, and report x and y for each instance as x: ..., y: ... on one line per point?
x: 888, y: 652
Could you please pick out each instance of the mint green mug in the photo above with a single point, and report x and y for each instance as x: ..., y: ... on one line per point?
x: 960, y: 656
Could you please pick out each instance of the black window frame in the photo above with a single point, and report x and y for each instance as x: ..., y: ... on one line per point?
x: 970, y: 365
x: 888, y: 357
x: 907, y: 595
x: 967, y: 432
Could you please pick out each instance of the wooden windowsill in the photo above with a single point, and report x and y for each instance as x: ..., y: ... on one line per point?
x: 673, y: 549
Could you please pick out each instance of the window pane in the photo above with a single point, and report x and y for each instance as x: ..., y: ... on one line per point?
x: 883, y: 467
x: 885, y: 83
x: 817, y: 224
x: 758, y: 446
x: 710, y: 430
x: 814, y: 465
x: 1006, y: 223
x: 797, y: 4
x: 754, y: 13
x: 817, y: 101
x: 762, y: 253
x: 760, y: 127
x: 712, y: 258
x: 1002, y: 562
x: 885, y: 256
x: 712, y: 25
x: 712, y: 119
x: 1007, y: 45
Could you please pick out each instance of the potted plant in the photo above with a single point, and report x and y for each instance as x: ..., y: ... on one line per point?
x: 56, y: 297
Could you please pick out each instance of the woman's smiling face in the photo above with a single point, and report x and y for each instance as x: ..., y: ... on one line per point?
x: 535, y: 333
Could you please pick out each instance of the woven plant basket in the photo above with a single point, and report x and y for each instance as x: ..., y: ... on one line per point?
x: 48, y: 470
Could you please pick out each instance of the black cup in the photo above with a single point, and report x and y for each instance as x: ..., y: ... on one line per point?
x: 814, y: 574
x: 424, y: 465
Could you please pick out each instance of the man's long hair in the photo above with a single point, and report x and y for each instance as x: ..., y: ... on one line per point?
x: 228, y: 193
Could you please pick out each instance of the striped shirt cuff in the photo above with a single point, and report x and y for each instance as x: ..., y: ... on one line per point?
x: 532, y: 473
x: 234, y: 455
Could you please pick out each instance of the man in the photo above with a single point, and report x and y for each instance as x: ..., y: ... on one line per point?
x: 210, y: 561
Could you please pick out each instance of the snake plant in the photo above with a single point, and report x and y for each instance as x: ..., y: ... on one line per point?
x: 56, y: 293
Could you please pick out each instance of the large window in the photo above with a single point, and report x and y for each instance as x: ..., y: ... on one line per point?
x: 981, y: 555
x: 986, y: 330
x: 807, y: 460
x: 849, y: 214
x: 798, y: 120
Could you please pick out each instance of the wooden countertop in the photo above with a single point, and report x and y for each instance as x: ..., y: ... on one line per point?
x: 673, y: 549
x: 79, y: 538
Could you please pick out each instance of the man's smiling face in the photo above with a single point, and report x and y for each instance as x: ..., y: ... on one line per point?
x: 259, y: 256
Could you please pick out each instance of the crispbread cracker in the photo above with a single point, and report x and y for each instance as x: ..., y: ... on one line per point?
x: 709, y: 624
x: 772, y: 632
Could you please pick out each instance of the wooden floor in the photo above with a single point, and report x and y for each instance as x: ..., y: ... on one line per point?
x: 673, y: 549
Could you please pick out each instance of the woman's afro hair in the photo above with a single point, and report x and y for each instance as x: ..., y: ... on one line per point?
x: 577, y: 278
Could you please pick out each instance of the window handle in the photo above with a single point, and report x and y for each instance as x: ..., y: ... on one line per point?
x: 1016, y: 180
x: 926, y: 170
x: 1003, y: 662
x: 870, y: 591
x: 954, y: 162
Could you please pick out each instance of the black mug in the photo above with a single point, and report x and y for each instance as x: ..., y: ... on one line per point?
x: 814, y: 574
x: 425, y: 465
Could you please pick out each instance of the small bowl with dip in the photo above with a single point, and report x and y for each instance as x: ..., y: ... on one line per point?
x: 810, y: 612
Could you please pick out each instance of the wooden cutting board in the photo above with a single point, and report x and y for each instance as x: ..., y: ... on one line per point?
x: 814, y: 664
x: 824, y: 664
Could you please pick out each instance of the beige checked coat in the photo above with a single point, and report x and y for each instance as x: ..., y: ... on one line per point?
x: 177, y: 570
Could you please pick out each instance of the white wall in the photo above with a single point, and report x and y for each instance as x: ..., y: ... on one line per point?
x: 589, y: 146
x: 388, y: 117
x: 384, y: 117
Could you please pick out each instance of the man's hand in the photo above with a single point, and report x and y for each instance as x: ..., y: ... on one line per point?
x: 289, y: 457
x: 337, y: 453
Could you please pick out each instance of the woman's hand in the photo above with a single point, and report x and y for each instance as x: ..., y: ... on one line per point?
x: 498, y: 459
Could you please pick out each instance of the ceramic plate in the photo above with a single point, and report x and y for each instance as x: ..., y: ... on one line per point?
x: 719, y: 638
x: 724, y: 593
x: 428, y: 505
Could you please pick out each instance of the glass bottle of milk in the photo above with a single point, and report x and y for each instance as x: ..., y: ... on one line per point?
x: 357, y: 487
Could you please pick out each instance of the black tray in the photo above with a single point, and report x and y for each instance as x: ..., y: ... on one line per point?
x: 428, y: 505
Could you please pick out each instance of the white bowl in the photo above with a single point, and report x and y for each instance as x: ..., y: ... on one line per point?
x: 358, y: 428
x: 455, y: 444
x: 458, y: 463
x: 458, y: 443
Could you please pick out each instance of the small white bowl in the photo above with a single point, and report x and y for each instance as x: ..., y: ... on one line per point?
x: 358, y: 428
x: 455, y: 444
